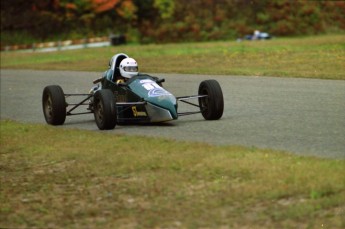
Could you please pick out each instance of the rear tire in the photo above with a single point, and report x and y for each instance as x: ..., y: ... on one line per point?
x: 212, y: 106
x: 105, y: 109
x: 54, y: 105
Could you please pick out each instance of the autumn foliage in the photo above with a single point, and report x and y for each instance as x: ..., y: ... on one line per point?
x: 166, y: 20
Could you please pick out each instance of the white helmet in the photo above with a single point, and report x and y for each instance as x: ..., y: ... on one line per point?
x: 128, y: 68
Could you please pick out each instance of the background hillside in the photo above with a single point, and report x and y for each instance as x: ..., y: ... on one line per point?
x: 162, y: 21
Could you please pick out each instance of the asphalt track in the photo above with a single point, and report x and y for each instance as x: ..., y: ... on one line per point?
x: 302, y: 116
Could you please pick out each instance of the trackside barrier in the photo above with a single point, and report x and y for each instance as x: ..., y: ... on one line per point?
x: 68, y: 44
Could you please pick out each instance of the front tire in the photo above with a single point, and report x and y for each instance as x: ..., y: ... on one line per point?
x: 54, y: 105
x: 211, y: 106
x: 105, y: 109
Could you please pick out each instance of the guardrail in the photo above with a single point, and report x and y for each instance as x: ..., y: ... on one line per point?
x: 68, y: 44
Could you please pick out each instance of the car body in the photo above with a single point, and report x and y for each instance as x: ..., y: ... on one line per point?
x: 141, y: 99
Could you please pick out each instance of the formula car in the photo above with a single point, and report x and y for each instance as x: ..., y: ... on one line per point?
x: 141, y: 99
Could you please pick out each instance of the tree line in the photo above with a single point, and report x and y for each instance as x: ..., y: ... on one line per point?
x: 161, y: 21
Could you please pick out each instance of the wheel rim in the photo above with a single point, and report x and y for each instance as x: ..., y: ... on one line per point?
x: 48, y: 107
x: 99, y: 112
x: 204, y: 101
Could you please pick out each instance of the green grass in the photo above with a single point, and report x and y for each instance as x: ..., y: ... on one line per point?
x: 310, y: 57
x: 58, y: 178
x: 61, y: 178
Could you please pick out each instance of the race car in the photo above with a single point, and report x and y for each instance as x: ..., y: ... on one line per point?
x: 140, y: 98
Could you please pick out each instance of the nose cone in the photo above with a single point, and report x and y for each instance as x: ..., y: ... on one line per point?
x: 165, y: 101
x: 157, y: 96
x: 160, y: 114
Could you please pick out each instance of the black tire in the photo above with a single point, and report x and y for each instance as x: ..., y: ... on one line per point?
x: 54, y: 105
x: 105, y: 109
x: 212, y: 106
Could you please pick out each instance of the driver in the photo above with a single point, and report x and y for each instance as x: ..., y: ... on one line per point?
x: 128, y: 69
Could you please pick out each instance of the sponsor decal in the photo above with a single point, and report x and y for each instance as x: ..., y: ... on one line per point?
x: 137, y: 113
x: 146, y: 81
x: 154, y: 90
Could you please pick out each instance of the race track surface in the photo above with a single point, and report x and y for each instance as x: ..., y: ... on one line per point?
x: 303, y: 116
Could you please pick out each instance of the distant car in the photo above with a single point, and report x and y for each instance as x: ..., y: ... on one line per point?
x: 257, y: 35
x: 141, y: 99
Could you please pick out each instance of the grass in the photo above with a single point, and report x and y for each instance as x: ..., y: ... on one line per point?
x: 61, y: 178
x: 58, y: 178
x: 310, y: 57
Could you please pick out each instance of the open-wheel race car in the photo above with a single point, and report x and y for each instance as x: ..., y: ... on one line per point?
x: 124, y: 96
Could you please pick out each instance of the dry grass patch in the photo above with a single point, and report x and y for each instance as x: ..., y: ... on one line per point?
x: 54, y: 177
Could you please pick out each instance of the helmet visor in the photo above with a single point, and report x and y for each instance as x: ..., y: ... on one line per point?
x: 131, y: 68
